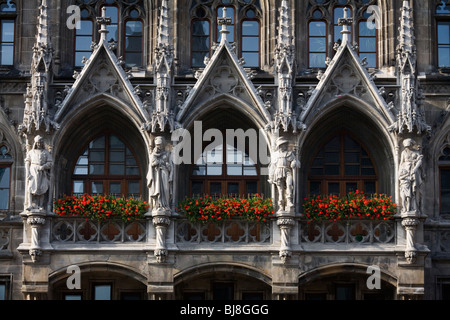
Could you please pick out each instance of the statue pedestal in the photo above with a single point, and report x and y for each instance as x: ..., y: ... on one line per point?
x: 161, y: 221
x: 36, y: 219
x: 285, y: 221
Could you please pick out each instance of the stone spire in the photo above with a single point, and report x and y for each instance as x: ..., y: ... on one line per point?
x: 164, y: 56
x: 36, y: 115
x: 285, y: 118
x: 411, y: 116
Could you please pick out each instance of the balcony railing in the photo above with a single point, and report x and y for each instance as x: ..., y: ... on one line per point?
x: 360, y: 232
x: 355, y: 232
x: 233, y: 231
x: 67, y: 230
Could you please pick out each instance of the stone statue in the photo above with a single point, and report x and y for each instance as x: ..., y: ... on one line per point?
x: 411, y: 176
x: 159, y: 178
x: 282, y: 172
x: 38, y: 164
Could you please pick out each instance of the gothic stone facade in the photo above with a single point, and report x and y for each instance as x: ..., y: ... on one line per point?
x: 355, y: 93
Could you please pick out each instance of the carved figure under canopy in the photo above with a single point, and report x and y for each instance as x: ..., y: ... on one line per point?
x: 159, y: 177
x: 38, y: 164
x: 411, y: 176
x: 282, y: 173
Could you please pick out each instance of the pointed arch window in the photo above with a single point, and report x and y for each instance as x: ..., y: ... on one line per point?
x: 444, y: 181
x: 367, y: 40
x: 126, y: 29
x: 324, y: 20
x: 83, y: 38
x: 200, y: 41
x: 250, y: 39
x: 134, y: 31
x: 244, y: 30
x: 317, y: 30
x: 341, y: 166
x: 107, y: 166
x: 8, y: 13
x: 443, y: 34
x: 6, y: 162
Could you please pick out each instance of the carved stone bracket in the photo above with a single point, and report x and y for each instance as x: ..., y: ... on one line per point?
x: 36, y: 220
x: 161, y: 221
x: 410, y: 224
x: 285, y: 224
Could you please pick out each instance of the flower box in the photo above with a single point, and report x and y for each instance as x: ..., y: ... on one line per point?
x: 355, y: 205
x: 208, y: 209
x: 101, y: 208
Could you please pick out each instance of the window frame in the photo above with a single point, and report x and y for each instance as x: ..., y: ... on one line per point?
x: 242, y: 36
x: 107, y: 178
x: 124, y: 11
x: 439, y: 20
x: 7, y: 280
x: 358, y: 34
x: 441, y: 168
x: 125, y: 37
x: 309, y: 44
x: 192, y: 41
x: 5, y: 16
x: 224, y: 178
x: 75, y: 42
x: 329, y: 16
x: 212, y: 14
x: 342, y: 179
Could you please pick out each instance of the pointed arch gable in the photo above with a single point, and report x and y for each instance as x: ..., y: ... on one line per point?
x: 224, y: 77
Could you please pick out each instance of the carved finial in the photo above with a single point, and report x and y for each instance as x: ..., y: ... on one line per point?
x: 103, y: 21
x: 224, y: 22
x: 345, y: 22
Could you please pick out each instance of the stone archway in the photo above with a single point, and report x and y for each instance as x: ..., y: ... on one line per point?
x: 98, y: 281
x: 222, y: 282
x: 345, y: 282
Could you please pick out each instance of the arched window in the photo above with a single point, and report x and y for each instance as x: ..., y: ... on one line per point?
x: 444, y: 181
x: 244, y: 30
x: 224, y: 170
x: 6, y: 162
x: 8, y: 13
x: 341, y: 166
x: 134, y: 30
x: 324, y: 20
x: 443, y: 34
x: 200, y: 41
x: 126, y: 29
x: 107, y: 166
x: 83, y: 38
x: 367, y: 40
x: 317, y: 30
